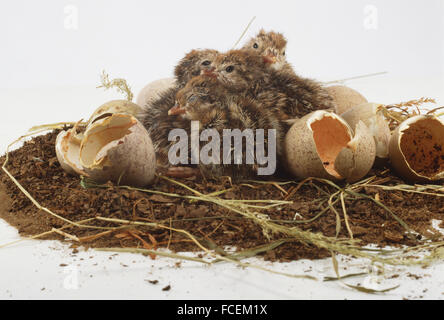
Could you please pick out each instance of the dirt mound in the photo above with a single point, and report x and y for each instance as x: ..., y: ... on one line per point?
x: 36, y: 168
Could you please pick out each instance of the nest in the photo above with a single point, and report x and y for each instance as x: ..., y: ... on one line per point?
x: 276, y: 219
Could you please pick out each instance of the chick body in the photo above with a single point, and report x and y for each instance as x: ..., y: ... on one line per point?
x: 155, y: 116
x: 287, y: 94
x: 215, y: 107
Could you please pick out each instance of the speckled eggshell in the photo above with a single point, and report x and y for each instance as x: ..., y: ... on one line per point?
x: 115, y: 106
x: 301, y: 155
x: 357, y: 159
x: 435, y: 130
x: 119, y: 149
x: 373, y: 118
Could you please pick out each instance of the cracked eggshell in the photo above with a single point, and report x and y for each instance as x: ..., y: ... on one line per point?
x: 119, y: 149
x: 112, y: 107
x: 322, y: 145
x: 345, y: 98
x: 373, y: 117
x: 417, y: 149
x: 153, y: 90
x: 358, y: 157
x: 67, y: 148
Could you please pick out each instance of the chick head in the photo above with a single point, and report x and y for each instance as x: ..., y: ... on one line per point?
x: 201, y: 99
x: 237, y: 69
x: 271, y: 46
x: 194, y: 63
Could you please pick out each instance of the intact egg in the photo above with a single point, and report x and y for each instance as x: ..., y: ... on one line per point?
x: 345, y: 98
x: 153, y: 90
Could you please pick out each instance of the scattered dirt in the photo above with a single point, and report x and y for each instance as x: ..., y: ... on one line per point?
x: 35, y: 166
x: 167, y: 288
x: 153, y: 281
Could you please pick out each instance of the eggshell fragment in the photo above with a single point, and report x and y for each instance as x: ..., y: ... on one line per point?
x: 356, y: 160
x: 345, y: 98
x: 153, y: 90
x: 68, y: 151
x: 322, y: 145
x: 417, y: 149
x: 118, y: 148
x: 373, y: 117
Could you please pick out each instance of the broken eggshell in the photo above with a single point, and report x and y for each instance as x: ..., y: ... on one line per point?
x: 322, y: 145
x: 68, y: 151
x: 417, y: 149
x: 118, y: 148
x: 153, y: 90
x: 345, y: 98
x: 373, y: 117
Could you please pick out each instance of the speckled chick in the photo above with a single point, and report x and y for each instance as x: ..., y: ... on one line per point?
x: 193, y: 64
x: 288, y: 95
x: 205, y: 100
x: 155, y: 116
x: 271, y: 46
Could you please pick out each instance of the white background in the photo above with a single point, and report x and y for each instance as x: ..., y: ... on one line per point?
x: 142, y: 40
x: 52, y: 54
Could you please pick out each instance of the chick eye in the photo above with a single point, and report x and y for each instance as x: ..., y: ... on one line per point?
x: 206, y: 63
x: 255, y: 46
x: 229, y: 69
x: 283, y: 53
x: 192, y: 99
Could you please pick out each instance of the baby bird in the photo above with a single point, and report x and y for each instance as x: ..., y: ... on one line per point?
x: 239, y: 71
x: 287, y: 94
x: 271, y: 47
x: 155, y: 116
x: 193, y: 64
x: 203, y: 99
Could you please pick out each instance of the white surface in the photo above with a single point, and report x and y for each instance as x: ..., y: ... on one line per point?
x: 49, y: 74
x: 49, y: 270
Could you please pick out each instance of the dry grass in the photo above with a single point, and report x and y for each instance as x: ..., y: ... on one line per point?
x: 398, y: 113
x: 120, y: 84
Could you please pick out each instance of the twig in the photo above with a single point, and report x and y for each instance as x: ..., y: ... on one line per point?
x: 357, y: 77
x: 243, y: 33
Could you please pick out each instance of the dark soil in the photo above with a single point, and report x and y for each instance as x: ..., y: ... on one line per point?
x: 35, y: 166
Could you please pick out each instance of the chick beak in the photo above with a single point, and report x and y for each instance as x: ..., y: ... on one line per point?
x: 270, y: 58
x: 210, y: 72
x: 176, y: 110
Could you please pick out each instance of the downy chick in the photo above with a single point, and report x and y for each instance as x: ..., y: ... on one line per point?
x: 203, y: 99
x: 288, y: 95
x: 155, y: 115
x: 271, y: 47
x: 193, y: 64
